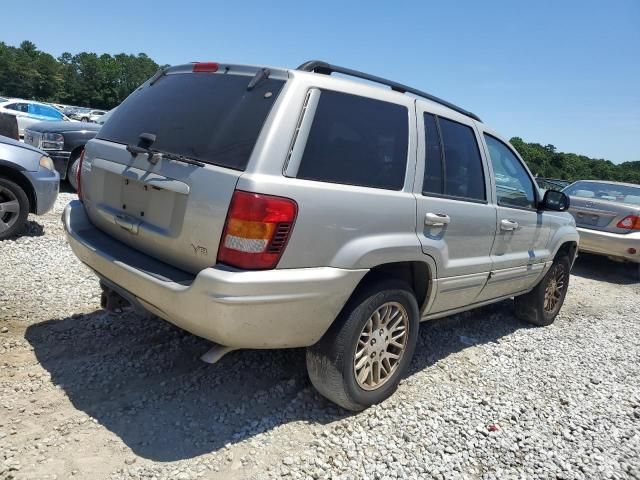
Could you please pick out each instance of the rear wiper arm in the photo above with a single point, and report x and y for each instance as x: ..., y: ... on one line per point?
x: 153, y: 155
x: 179, y: 158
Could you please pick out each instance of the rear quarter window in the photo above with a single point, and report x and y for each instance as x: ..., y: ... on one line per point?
x: 357, y: 141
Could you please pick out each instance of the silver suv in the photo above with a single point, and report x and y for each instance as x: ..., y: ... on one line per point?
x: 273, y: 208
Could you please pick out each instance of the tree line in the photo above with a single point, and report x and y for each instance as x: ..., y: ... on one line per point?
x: 546, y: 161
x: 103, y: 81
x: 85, y: 79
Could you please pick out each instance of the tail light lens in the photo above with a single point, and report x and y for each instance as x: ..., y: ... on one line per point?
x: 79, y: 175
x: 257, y: 230
x: 631, y: 222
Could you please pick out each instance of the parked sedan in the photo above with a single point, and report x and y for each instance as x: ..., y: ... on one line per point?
x: 608, y: 218
x: 28, y: 184
x: 28, y: 112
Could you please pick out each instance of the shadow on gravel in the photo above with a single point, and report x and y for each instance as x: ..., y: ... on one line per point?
x: 143, y: 380
x: 597, y: 267
x: 31, y: 229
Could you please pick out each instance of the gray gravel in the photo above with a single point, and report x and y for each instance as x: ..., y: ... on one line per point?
x: 85, y: 394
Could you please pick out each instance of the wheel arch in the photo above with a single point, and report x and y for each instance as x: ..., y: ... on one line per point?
x: 568, y: 248
x: 419, y: 275
x: 18, y: 178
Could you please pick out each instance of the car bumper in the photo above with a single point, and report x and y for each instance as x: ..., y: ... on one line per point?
x: 60, y: 161
x: 615, y: 245
x: 239, y: 309
x: 46, y: 185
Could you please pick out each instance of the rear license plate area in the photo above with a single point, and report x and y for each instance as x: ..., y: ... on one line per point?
x: 153, y: 205
x: 587, y: 219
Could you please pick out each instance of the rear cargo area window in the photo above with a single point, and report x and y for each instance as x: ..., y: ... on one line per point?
x: 357, y: 141
x: 209, y: 117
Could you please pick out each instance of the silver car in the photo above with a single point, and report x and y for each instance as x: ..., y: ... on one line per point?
x: 274, y: 208
x: 608, y: 218
x: 28, y: 184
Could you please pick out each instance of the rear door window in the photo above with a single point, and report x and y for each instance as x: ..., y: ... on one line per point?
x: 210, y: 117
x: 357, y: 141
x: 453, y: 165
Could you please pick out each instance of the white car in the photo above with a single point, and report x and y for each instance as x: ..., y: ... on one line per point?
x: 88, y: 115
x: 28, y: 112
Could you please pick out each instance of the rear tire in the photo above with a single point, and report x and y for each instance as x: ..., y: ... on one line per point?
x: 72, y: 171
x: 541, y: 305
x: 362, y: 357
x: 14, y: 205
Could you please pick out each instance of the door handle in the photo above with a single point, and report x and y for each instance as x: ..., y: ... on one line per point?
x: 436, y: 219
x: 508, y: 225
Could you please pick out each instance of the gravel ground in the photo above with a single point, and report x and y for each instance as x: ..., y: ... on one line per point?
x: 85, y: 394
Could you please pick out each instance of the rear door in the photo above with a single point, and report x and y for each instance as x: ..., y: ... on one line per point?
x: 456, y: 222
x: 522, y: 238
x: 167, y: 208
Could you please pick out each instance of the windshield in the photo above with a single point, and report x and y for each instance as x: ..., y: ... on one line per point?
x: 208, y: 117
x: 609, y: 192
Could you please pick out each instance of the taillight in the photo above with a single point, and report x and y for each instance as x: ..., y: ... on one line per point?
x: 631, y: 222
x: 206, y: 67
x: 79, y: 175
x: 257, y: 230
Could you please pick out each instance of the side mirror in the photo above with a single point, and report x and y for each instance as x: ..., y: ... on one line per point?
x: 555, y: 201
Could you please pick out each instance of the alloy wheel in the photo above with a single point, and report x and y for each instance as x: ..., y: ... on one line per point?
x: 381, y: 346
x: 555, y: 288
x: 9, y: 209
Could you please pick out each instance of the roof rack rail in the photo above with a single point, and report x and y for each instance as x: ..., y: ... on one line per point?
x: 325, y: 68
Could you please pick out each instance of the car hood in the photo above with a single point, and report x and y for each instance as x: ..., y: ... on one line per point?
x: 63, y: 126
x: 16, y: 143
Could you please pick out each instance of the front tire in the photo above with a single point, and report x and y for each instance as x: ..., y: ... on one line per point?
x: 14, y: 209
x: 362, y: 357
x: 541, y: 305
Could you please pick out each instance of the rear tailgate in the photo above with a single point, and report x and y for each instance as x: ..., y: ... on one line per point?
x: 166, y: 208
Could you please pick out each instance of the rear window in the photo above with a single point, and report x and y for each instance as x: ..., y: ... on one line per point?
x: 210, y: 117
x: 611, y: 192
x: 357, y: 141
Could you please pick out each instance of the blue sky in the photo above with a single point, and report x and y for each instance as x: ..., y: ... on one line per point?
x: 559, y: 72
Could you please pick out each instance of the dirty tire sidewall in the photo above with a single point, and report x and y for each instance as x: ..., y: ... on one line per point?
x: 23, y: 202
x: 330, y: 361
x: 530, y: 307
x: 72, y: 172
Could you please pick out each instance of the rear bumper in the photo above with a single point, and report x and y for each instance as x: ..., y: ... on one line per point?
x: 614, y: 245
x: 46, y: 185
x: 240, y: 309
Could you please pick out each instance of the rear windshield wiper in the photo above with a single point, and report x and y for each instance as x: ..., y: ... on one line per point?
x: 179, y: 158
x: 155, y: 155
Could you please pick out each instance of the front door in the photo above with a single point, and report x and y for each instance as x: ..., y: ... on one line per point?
x: 456, y: 223
x: 521, y: 245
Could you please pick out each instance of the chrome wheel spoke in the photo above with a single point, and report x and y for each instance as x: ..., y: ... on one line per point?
x: 364, y: 359
x: 3, y: 226
x: 12, y: 206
